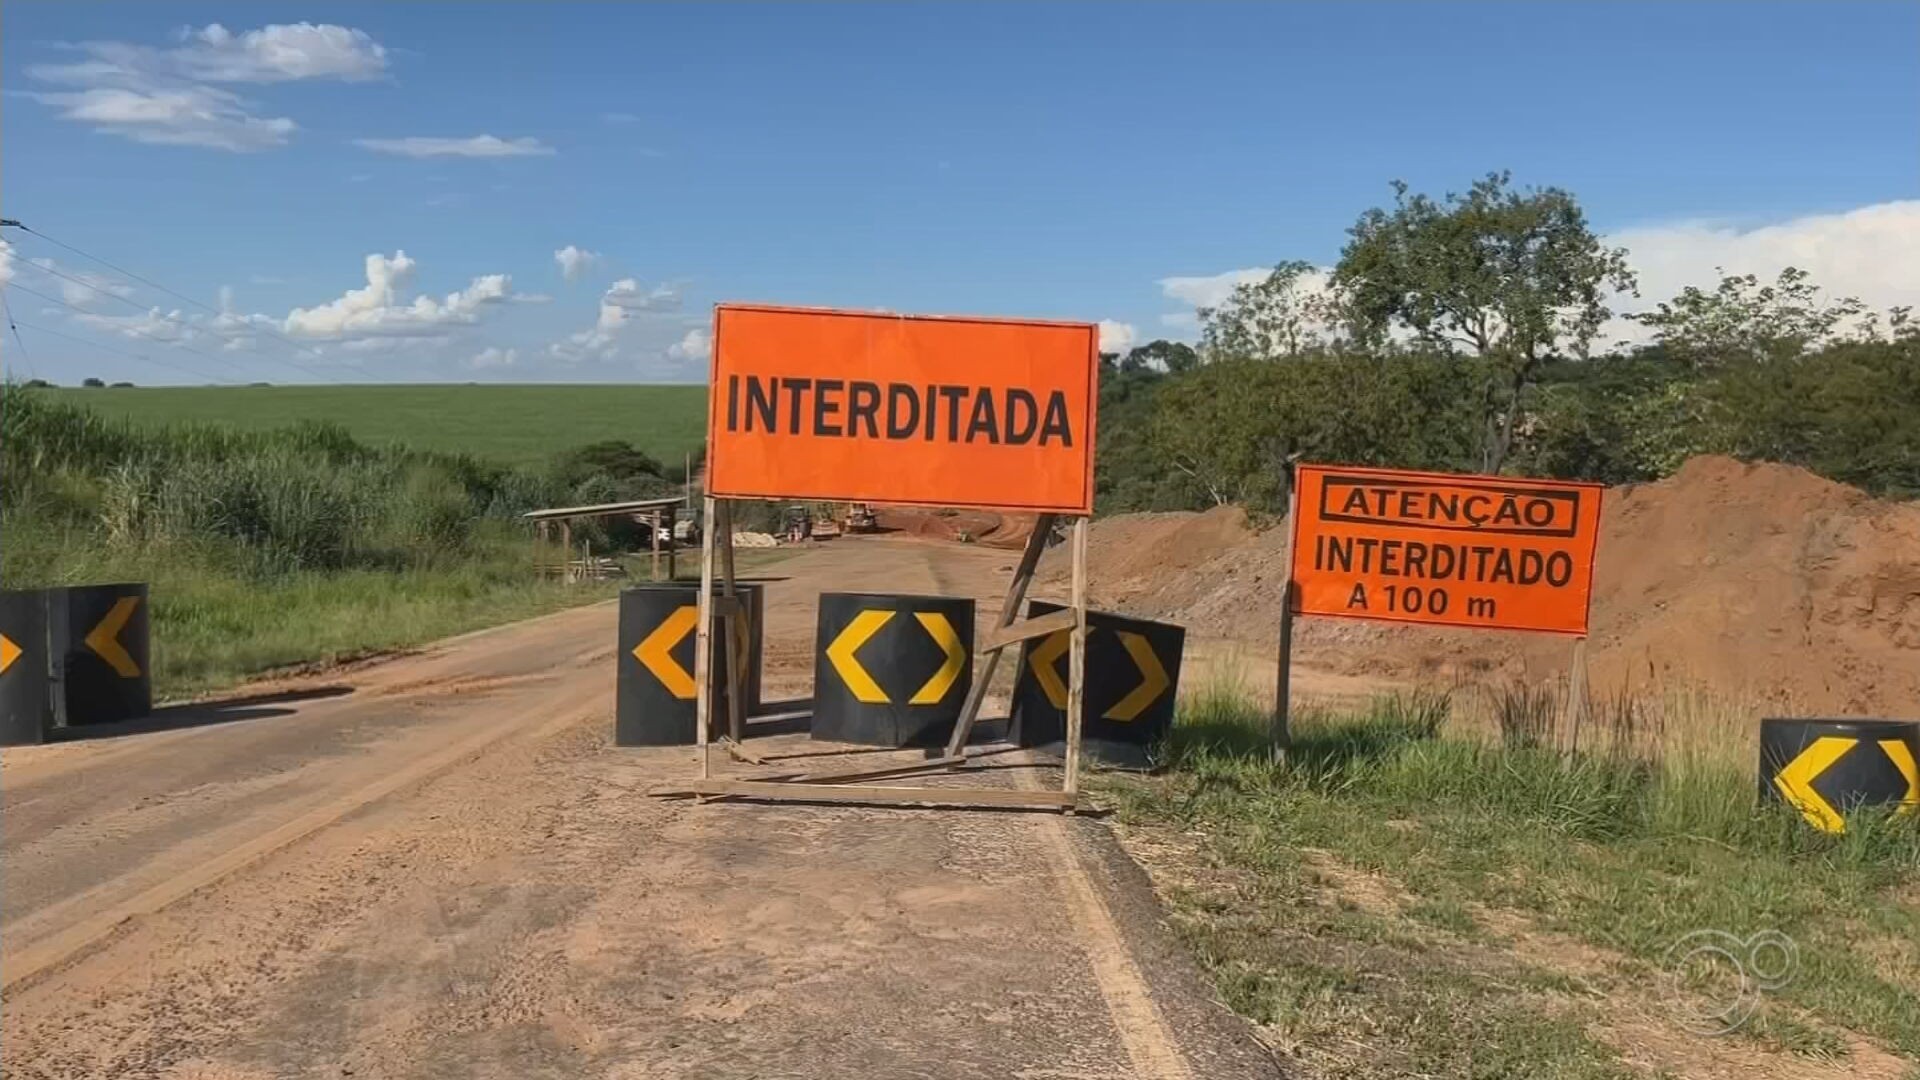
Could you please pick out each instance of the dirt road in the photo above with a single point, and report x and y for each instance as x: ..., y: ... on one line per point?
x: 439, y: 866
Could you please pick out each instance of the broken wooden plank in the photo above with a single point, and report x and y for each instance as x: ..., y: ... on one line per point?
x: 852, y: 793
x: 1038, y: 626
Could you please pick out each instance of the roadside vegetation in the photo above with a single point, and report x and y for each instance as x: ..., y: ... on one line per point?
x: 1435, y: 885
x: 291, y: 545
x: 1464, y: 333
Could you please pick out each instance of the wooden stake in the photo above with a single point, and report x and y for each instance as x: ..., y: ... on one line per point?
x: 703, y: 639
x: 1009, y: 611
x: 653, y: 530
x: 1282, y: 734
x: 735, y: 629
x: 1577, y: 693
x: 1077, y: 659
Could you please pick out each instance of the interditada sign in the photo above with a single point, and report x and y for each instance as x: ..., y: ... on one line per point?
x: 1472, y: 551
x: 870, y: 407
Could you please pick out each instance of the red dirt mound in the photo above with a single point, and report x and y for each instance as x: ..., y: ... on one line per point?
x: 1761, y: 580
x: 986, y: 527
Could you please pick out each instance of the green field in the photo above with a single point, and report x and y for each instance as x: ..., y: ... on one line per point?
x: 517, y: 425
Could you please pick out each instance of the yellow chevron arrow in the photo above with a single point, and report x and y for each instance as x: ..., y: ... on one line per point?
x: 1041, y: 661
x: 656, y: 651
x: 942, y: 681
x: 9, y: 652
x: 1796, y: 781
x: 104, y: 638
x: 840, y: 653
x: 1153, y: 679
x: 1902, y: 757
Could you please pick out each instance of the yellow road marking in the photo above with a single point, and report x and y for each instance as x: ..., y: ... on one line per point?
x: 840, y: 654
x: 656, y: 651
x: 1796, y: 781
x: 1041, y: 661
x: 1902, y: 756
x: 943, y: 634
x: 104, y: 639
x: 1153, y: 679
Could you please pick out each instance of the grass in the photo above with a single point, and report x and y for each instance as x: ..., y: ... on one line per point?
x: 1401, y: 898
x: 512, y: 425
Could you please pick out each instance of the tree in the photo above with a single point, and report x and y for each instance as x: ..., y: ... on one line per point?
x: 90, y: 381
x: 1286, y: 313
x: 1743, y: 320
x: 1506, y: 279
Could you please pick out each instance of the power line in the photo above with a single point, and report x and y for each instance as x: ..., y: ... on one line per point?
x: 15, y: 327
x: 128, y: 352
x: 173, y: 293
x: 137, y: 306
x: 144, y: 334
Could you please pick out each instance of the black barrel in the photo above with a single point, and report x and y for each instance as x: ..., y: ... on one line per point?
x: 891, y: 670
x: 101, y: 662
x: 1132, y: 680
x: 655, y: 696
x: 26, y: 699
x: 1827, y: 768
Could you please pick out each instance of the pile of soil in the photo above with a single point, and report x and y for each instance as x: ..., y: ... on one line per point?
x: 984, y: 527
x: 1764, y: 581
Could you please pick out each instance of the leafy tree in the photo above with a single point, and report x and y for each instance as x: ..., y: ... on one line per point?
x: 1507, y: 279
x: 1234, y: 429
x: 92, y: 382
x: 1286, y: 313
x: 1743, y: 320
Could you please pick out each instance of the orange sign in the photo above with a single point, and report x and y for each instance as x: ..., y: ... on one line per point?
x: 814, y: 404
x: 1475, y: 551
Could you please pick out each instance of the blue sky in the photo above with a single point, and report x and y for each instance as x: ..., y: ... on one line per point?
x: 1063, y: 161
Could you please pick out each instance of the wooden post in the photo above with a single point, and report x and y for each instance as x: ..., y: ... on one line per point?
x: 673, y: 543
x: 1009, y: 611
x: 1281, y: 735
x: 703, y: 639
x: 1577, y: 693
x: 1077, y: 657
x: 736, y: 636
x: 566, y: 550
x: 653, y: 530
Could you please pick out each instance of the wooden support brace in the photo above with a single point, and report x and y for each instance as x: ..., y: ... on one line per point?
x: 1009, y: 611
x: 828, y: 793
x: 1038, y: 626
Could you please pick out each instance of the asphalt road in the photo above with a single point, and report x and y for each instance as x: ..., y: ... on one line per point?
x: 438, y: 865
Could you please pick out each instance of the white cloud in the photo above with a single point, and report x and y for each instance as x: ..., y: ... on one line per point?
x: 575, y: 262
x: 493, y: 356
x: 167, y: 96
x: 619, y: 118
x: 477, y: 146
x: 623, y: 301
x: 151, y: 325
x: 1872, y: 252
x: 1210, y: 290
x: 695, y: 346
x: 81, y: 288
x: 173, y: 116
x: 1116, y: 337
x: 6, y: 263
x: 627, y: 293
x: 281, y: 53
x: 379, y: 311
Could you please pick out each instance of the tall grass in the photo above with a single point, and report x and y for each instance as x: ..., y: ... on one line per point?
x: 1630, y: 783
x: 266, y: 547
